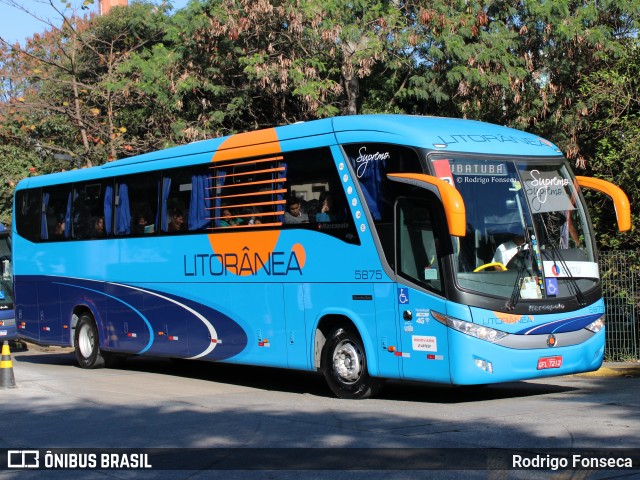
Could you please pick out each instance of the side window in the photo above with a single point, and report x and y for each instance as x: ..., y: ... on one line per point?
x: 27, y: 213
x: 299, y: 189
x: 136, y: 204
x: 248, y: 193
x: 416, y: 247
x: 372, y: 162
x: 186, y: 203
x: 315, y: 195
x: 92, y: 210
x: 56, y: 213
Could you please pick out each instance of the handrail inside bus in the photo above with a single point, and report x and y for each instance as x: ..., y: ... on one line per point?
x: 620, y: 200
x: 451, y: 198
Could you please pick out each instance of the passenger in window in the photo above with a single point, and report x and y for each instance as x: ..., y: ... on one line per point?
x: 98, y: 228
x: 294, y: 212
x: 141, y: 225
x: 327, y: 212
x: 177, y: 221
x: 58, y: 231
x: 227, y: 220
x: 255, y: 220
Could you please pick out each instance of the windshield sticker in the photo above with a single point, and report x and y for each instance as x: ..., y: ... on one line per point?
x: 482, y: 168
x: 547, y: 191
x: 577, y: 269
x: 530, y: 288
x: 364, y: 158
x: 551, y: 285
x: 443, y: 170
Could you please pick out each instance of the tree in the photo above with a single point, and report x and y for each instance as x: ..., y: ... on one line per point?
x: 612, y: 100
x: 67, y: 80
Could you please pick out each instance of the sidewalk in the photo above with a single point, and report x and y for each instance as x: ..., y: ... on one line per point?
x: 616, y: 369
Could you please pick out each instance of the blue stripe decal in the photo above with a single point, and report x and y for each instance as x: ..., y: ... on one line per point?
x: 147, y: 323
x: 559, y: 326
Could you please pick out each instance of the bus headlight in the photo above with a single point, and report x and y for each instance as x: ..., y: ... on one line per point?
x: 596, y: 326
x: 475, y: 330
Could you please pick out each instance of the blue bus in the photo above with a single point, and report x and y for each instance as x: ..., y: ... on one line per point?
x: 7, y: 320
x: 363, y: 247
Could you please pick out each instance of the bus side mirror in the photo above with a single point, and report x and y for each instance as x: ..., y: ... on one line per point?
x: 451, y: 199
x: 620, y: 200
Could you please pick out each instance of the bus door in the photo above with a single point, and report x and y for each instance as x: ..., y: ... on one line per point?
x: 424, y: 348
x: 49, y: 317
x: 294, y: 304
x: 27, y: 310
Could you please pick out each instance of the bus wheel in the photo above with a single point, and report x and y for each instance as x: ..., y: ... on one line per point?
x: 345, y: 366
x: 87, y: 343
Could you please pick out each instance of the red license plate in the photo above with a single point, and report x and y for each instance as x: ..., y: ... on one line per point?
x: 549, y: 362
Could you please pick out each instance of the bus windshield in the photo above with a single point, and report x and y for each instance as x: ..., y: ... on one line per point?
x: 527, y: 233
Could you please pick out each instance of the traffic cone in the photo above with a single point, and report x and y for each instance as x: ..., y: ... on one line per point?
x: 7, y: 380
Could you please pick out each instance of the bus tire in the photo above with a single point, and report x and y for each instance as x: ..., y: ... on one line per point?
x: 87, y: 343
x: 345, y: 366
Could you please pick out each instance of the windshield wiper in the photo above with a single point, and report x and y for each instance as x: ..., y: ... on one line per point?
x: 557, y: 257
x: 522, y: 267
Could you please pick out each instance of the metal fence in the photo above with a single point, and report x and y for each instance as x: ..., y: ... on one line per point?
x: 620, y: 271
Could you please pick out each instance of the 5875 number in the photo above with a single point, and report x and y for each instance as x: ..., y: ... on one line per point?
x: 368, y: 274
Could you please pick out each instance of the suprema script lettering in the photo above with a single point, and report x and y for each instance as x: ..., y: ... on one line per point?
x: 364, y: 158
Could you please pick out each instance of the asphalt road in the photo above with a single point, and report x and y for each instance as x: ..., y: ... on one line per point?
x: 157, y: 403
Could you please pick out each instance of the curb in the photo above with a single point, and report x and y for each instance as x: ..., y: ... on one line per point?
x: 613, y: 370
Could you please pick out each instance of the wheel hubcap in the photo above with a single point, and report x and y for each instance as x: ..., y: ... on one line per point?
x: 347, y: 361
x: 86, y: 341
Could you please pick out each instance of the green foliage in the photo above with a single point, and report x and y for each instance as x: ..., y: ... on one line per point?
x: 143, y: 78
x: 612, y: 102
x: 18, y: 162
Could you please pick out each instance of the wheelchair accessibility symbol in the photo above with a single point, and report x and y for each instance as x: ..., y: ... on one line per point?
x: 552, y: 286
x: 403, y: 296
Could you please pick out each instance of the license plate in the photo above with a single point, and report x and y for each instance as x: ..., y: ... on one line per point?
x: 549, y: 362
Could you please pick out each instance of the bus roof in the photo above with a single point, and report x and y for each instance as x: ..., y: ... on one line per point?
x: 435, y: 133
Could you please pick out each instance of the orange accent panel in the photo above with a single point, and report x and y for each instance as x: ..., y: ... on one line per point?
x: 253, y: 172
x: 254, y: 204
x: 248, y: 162
x: 260, y: 182
x: 620, y: 199
x: 250, y: 194
x: 274, y: 224
x: 259, y: 143
x: 300, y: 253
x: 248, y: 144
x: 249, y: 215
x: 262, y: 242
x: 451, y: 199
